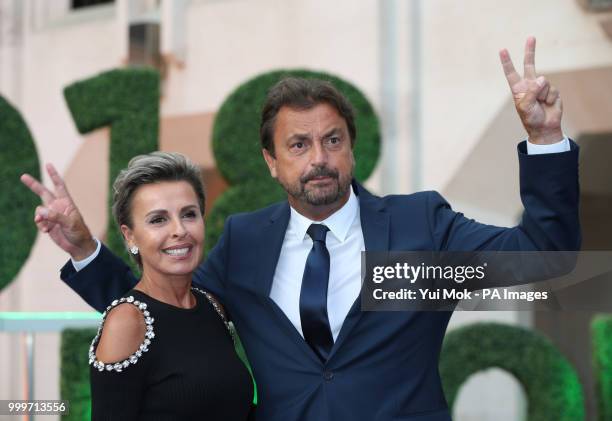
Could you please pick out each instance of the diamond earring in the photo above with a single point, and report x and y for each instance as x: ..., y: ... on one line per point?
x: 134, y: 250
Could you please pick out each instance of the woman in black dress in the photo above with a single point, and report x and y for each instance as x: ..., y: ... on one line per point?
x: 164, y: 350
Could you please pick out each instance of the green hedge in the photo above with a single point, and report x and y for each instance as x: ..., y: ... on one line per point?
x: 237, y: 147
x: 17, y: 156
x: 74, y: 366
x: 548, y: 379
x: 601, y: 334
x: 242, y: 198
x: 127, y: 100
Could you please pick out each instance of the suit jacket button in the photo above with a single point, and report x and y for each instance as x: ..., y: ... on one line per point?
x: 328, y: 375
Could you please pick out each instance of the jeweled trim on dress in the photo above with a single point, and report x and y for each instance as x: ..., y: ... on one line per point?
x: 215, y: 305
x: 144, y: 347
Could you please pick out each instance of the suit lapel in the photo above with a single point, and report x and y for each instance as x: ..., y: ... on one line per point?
x: 375, y: 224
x: 272, y: 237
x: 374, y: 221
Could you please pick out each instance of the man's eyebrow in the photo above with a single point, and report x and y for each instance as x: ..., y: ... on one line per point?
x: 334, y: 131
x: 298, y: 136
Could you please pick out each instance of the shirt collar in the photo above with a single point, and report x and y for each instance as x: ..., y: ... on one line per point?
x: 338, y: 222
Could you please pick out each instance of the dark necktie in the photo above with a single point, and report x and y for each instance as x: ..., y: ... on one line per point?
x: 313, y: 295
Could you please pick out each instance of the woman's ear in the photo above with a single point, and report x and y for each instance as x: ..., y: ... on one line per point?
x: 128, y: 235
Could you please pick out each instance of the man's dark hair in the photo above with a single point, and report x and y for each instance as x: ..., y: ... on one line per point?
x: 302, y: 94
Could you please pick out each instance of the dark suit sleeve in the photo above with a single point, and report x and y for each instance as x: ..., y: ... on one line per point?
x: 211, y: 274
x: 550, y: 221
x: 107, y: 277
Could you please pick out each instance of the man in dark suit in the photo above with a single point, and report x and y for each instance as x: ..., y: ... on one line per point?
x: 289, y: 274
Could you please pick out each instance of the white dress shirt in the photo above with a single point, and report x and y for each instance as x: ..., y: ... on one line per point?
x: 345, y: 244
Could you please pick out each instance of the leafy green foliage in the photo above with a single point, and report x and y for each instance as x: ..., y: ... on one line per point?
x: 601, y: 334
x: 548, y: 379
x: 17, y: 229
x: 74, y: 382
x: 127, y: 100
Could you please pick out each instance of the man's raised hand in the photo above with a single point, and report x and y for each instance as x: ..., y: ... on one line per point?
x: 537, y: 102
x: 59, y: 217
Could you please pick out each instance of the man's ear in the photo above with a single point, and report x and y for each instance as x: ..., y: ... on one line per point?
x: 271, y: 161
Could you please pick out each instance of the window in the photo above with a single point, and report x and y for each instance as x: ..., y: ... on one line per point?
x: 144, y: 47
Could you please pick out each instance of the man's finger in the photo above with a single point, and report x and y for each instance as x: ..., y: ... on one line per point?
x: 58, y: 182
x: 529, y: 61
x: 40, y: 213
x: 43, y: 227
x: 40, y: 190
x: 552, y: 96
x: 40, y: 218
x: 48, y: 215
x: 544, y: 88
x: 559, y: 104
x: 511, y: 75
x: 58, y: 218
x: 527, y: 102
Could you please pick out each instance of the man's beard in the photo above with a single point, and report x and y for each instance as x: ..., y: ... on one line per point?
x: 318, y: 196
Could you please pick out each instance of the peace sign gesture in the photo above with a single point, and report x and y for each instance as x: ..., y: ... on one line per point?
x: 538, y: 104
x: 60, y: 217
